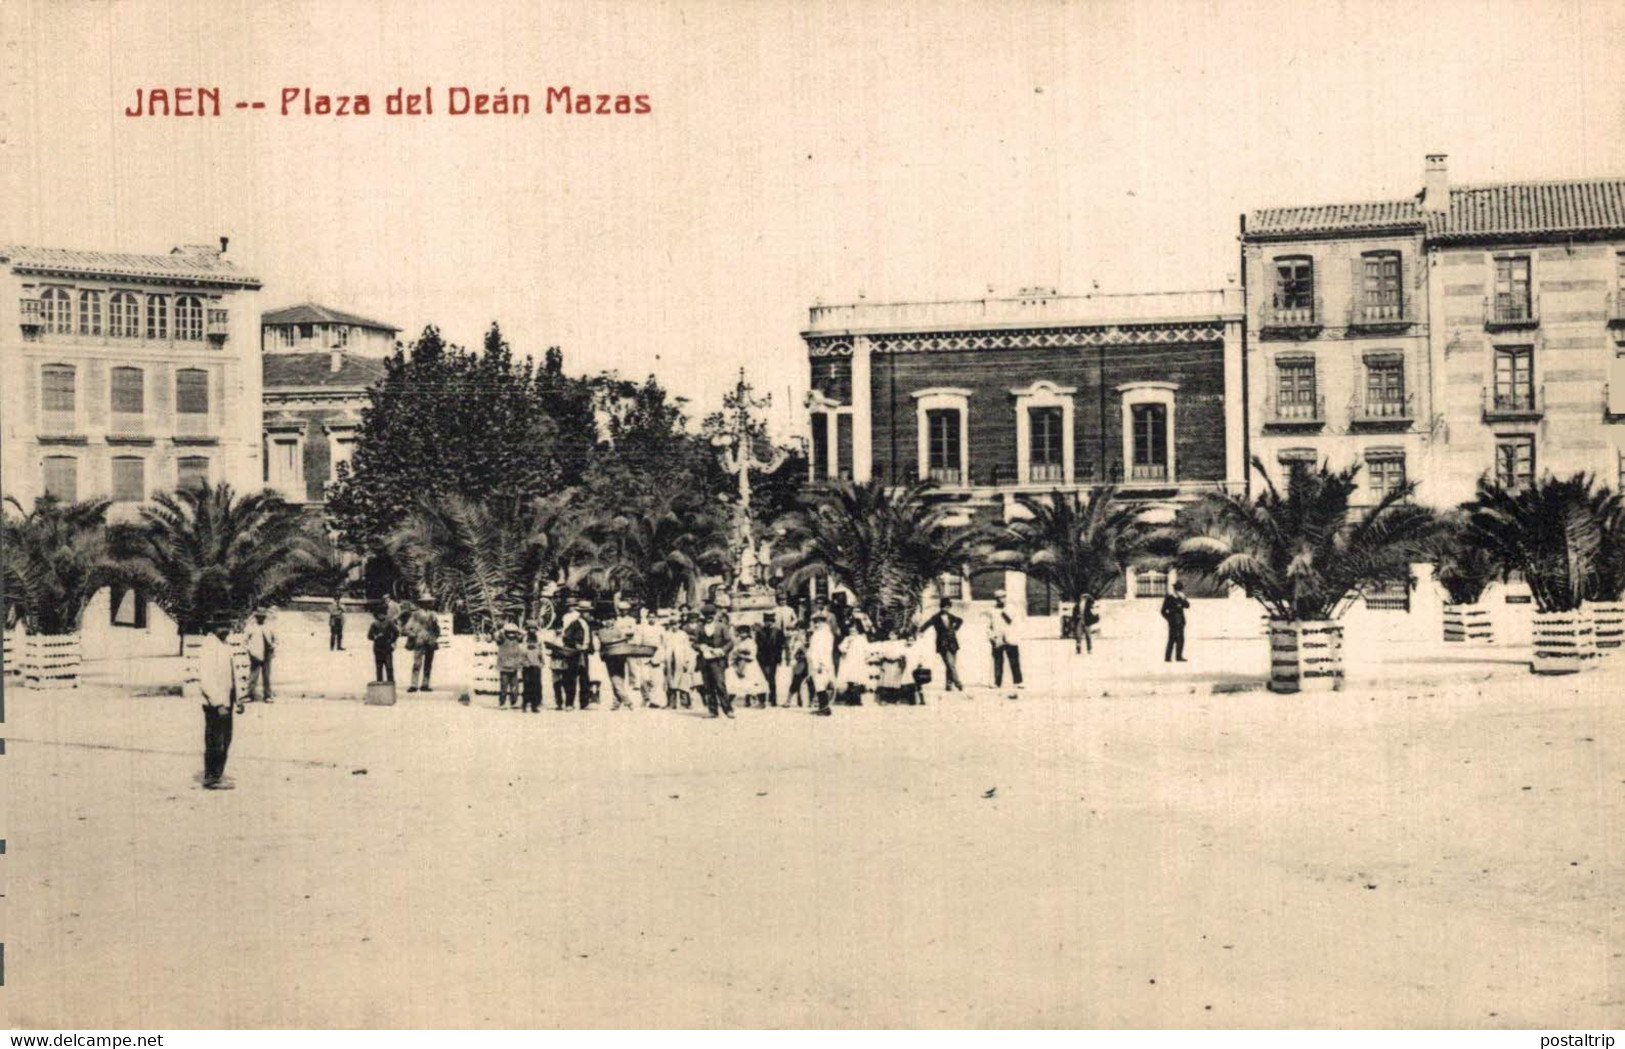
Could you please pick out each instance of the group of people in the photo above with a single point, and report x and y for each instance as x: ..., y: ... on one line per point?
x: 404, y: 621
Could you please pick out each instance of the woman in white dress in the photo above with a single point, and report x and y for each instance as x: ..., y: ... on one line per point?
x: 821, y: 661
x: 682, y: 666
x: 853, y: 673
x: 746, y: 682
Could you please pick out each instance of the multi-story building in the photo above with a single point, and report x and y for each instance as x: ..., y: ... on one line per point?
x: 1467, y: 331
x: 318, y: 364
x: 997, y: 397
x: 126, y: 375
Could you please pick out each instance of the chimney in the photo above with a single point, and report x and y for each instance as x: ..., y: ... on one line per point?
x: 223, y: 242
x: 336, y: 360
x: 1436, y: 184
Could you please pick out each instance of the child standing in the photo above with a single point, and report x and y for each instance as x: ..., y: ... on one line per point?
x: 510, y: 661
x: 531, y: 675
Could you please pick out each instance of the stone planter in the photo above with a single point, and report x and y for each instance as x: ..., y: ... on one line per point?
x: 1306, y: 656
x: 1564, y: 641
x: 1468, y: 624
x: 1608, y: 625
x: 51, y: 661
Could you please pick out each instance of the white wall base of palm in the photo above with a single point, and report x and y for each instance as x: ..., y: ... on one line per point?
x: 1306, y: 656
x: 1564, y: 642
x: 1468, y: 624
x: 51, y: 662
x: 1608, y: 625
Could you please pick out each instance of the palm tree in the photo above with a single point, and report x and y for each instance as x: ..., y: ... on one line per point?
x: 491, y: 559
x: 658, y: 547
x: 55, y: 558
x: 1304, y: 554
x: 208, y: 555
x: 885, y: 545
x: 1077, y: 546
x: 1561, y: 534
x: 333, y: 570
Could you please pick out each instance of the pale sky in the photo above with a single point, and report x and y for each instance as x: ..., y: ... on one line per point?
x: 796, y: 152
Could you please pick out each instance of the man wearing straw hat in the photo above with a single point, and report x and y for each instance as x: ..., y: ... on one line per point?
x: 261, y: 640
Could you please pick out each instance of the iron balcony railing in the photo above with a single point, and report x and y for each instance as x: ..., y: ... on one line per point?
x: 1502, y: 404
x: 1382, y: 410
x: 30, y: 314
x: 1295, y: 412
x: 1507, y: 312
x: 1616, y: 309
x: 218, y: 324
x: 1291, y: 318
x: 1385, y: 316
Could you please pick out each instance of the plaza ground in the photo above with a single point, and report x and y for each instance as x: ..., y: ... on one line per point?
x: 1441, y: 845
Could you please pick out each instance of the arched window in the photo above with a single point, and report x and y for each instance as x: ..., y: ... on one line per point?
x: 188, y: 318
x: 57, y: 308
x: 157, y: 317
x: 124, y: 316
x: 90, y: 313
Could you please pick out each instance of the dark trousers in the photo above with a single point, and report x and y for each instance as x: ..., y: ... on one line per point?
x: 1176, y: 641
x: 950, y: 671
x: 770, y: 670
x: 335, y: 636
x: 572, y: 678
x: 714, y: 674
x: 530, y: 687
x: 216, y: 741
x: 383, y: 661
x: 1002, y: 653
x: 798, y: 682
x: 259, y: 672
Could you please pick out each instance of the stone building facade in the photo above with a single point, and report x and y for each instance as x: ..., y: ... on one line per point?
x: 996, y: 398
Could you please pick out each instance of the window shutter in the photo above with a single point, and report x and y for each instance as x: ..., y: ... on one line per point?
x: 1616, y: 381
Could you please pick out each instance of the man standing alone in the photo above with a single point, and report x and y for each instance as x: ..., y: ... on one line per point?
x: 423, y: 632
x: 382, y: 633
x: 570, y: 670
x: 335, y: 627
x: 946, y: 627
x: 261, y: 641
x: 1173, y: 610
x: 998, y: 635
x: 217, y: 681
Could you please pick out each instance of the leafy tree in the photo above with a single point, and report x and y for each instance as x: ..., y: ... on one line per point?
x: 55, y: 558
x: 659, y: 546
x: 208, y: 555
x: 1303, y: 554
x: 1077, y: 546
x: 886, y: 545
x: 447, y: 421
x: 1558, y: 532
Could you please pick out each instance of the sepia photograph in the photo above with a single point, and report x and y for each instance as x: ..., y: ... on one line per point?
x: 754, y: 515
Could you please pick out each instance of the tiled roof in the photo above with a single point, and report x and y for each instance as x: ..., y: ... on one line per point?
x: 304, y: 371
x: 1568, y: 206
x: 311, y: 313
x: 194, y: 264
x: 1332, y: 218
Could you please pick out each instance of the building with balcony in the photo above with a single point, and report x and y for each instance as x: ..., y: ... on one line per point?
x: 125, y: 375
x: 318, y: 364
x: 1463, y: 332
x: 993, y: 398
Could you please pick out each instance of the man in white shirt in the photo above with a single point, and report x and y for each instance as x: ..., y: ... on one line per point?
x: 217, y: 682
x: 261, y: 647
x: 1004, y: 646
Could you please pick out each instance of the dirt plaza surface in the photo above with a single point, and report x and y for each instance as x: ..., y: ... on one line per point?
x: 1444, y: 855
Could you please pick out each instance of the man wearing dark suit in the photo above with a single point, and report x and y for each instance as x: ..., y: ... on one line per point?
x: 1173, y: 610
x: 946, y: 627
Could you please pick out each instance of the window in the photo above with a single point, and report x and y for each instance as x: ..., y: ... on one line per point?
x: 843, y: 445
x: 1384, y: 473
x: 192, y: 472
x: 1295, y: 283
x: 942, y: 425
x: 90, y: 313
x: 950, y: 586
x: 307, y: 331
x: 1512, y: 301
x: 1150, y: 442
x: 62, y: 477
x: 56, y: 388
x: 289, y: 336
x: 1514, y: 461
x: 188, y: 318
x: 1514, y: 379
x: 56, y: 309
x: 1295, y: 389
x: 820, y: 446
x: 1382, y: 295
x: 129, y: 479
x: 284, y: 467
x: 341, y: 337
x: 123, y: 316
x: 192, y: 391
x: 128, y: 391
x: 1046, y: 452
x: 127, y: 607
x: 1385, y: 387
x: 342, y: 450
x: 157, y: 317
